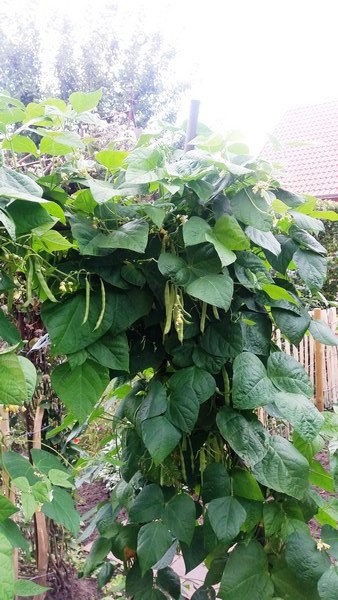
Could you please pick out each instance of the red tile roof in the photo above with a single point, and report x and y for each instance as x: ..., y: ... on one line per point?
x: 309, y: 154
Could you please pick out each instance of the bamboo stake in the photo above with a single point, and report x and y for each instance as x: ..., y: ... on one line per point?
x: 319, y: 368
x: 41, y: 532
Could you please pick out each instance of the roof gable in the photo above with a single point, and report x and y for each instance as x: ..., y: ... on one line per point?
x: 309, y: 149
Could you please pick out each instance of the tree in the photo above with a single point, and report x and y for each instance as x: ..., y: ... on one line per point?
x: 20, y: 63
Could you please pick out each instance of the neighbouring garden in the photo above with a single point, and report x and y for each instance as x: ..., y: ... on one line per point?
x: 140, y: 291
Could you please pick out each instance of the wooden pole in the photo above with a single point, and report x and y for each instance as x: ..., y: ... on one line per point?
x: 192, y: 124
x: 319, y: 368
x: 41, y: 531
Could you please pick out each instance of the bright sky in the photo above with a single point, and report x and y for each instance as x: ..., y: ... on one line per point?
x: 248, y: 60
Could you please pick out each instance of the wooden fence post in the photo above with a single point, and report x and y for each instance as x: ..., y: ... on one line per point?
x: 319, y: 368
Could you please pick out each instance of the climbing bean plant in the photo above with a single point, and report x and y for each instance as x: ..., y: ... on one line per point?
x: 170, y: 271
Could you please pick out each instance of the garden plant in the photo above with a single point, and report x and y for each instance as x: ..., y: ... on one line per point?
x: 161, y: 276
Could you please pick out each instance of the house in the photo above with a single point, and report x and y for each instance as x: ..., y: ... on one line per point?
x: 305, y: 145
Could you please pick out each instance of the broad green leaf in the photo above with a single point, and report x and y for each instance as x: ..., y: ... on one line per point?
x: 226, y: 516
x: 300, y: 412
x: 328, y: 514
x: 130, y: 236
x: 179, y: 517
x: 148, y: 505
x: 226, y: 256
x: 49, y: 145
x: 245, y: 485
x: 288, y: 375
x: 281, y: 262
x: 111, y: 351
x: 22, y: 484
x: 11, y: 115
x: 246, y: 575
x: 216, y: 290
x: 25, y: 587
x: 283, y: 468
x: 311, y: 268
x: 304, y: 559
x: 265, y: 239
x: 45, y: 461
x: 155, y: 213
x: 329, y: 215
x: 169, y: 581
x: 18, y: 466
x: 42, y: 491
x: 230, y: 234
x: 256, y: 332
x: 202, y: 188
x: 320, y: 477
x: 13, y: 534
x: 153, y: 542
x: 144, y: 165
x: 13, y: 388
x: 194, y: 554
x: 292, y: 325
x: 167, y: 558
x: 102, y: 191
x: 288, y: 586
x: 306, y: 222
x: 328, y: 584
x: 81, y: 388
x: 247, y: 438
x: 29, y: 505
x: 289, y: 198
x: 30, y: 375
x: 251, y: 271
x: 192, y: 378
x: 20, y: 143
x: 53, y: 241
x: 154, y: 403
x: 160, y: 437
x: 216, y: 482
x: 223, y: 339
x: 7, y: 508
x: 82, y: 101
x: 251, y: 209
x: 105, y: 574
x: 17, y: 185
x: 8, y: 332
x: 183, y: 409
x: 207, y: 361
x: 174, y: 268
x: 60, y: 478
x: 98, y: 552
x: 61, y: 509
x: 306, y: 240
x: 322, y: 332
x: 329, y: 535
x: 138, y: 586
x: 194, y: 231
x: 29, y: 217
x: 111, y: 159
x: 64, y: 321
x: 6, y: 569
x: 251, y: 387
x: 278, y: 293
x: 306, y: 447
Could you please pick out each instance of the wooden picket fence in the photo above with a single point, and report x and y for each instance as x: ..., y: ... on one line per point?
x: 320, y: 361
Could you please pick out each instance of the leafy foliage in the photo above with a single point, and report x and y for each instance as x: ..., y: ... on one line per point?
x: 170, y: 275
